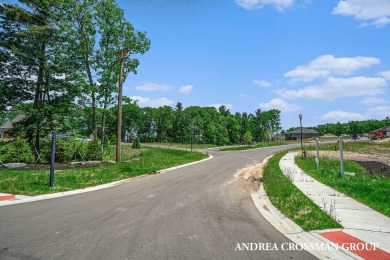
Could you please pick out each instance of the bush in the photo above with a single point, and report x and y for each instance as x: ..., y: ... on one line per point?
x: 94, y: 151
x: 16, y: 152
x: 136, y: 143
x: 63, y: 153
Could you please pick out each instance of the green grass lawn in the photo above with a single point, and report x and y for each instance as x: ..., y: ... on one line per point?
x: 186, y: 146
x: 354, y: 146
x: 291, y: 201
x: 37, y: 182
x: 259, y: 145
x: 373, y: 191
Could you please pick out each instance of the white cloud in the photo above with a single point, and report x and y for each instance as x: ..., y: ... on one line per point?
x: 153, y: 87
x: 280, y: 5
x: 148, y: 102
x: 385, y: 74
x: 371, y: 12
x: 328, y: 65
x: 372, y: 101
x: 228, y: 106
x: 262, y: 83
x: 379, y: 111
x: 342, y: 116
x: 186, y: 89
x: 279, y: 104
x: 334, y: 88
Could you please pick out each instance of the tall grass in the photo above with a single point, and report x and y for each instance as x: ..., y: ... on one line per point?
x: 374, y: 191
x: 285, y: 196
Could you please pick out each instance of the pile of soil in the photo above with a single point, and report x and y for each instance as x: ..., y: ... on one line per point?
x: 376, y: 168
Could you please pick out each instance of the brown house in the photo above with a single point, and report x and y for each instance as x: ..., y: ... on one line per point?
x: 9, y: 125
x: 306, y: 134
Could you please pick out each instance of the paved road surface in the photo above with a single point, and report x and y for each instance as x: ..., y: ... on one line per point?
x: 196, y: 212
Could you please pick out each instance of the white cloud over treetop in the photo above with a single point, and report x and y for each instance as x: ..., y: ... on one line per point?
x: 372, y: 101
x: 385, y: 74
x: 334, y: 88
x: 371, y: 12
x: 186, y: 89
x: 262, y: 83
x: 383, y: 111
x: 280, y: 104
x: 328, y: 65
x: 148, y: 102
x: 342, y: 116
x: 153, y: 87
x: 258, y: 4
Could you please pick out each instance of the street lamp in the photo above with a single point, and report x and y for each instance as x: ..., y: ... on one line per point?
x: 300, y: 120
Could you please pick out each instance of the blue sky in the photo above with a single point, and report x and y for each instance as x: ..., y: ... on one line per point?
x: 328, y: 60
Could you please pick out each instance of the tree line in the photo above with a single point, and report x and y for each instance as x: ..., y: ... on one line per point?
x: 165, y: 124
x: 353, y: 128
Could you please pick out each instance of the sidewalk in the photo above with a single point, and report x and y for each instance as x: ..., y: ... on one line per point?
x: 360, y: 222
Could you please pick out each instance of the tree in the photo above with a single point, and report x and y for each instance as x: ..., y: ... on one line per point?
x: 34, y: 68
x: 248, y: 138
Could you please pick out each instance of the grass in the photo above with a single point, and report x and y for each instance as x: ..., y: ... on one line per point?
x: 36, y: 182
x: 291, y: 201
x: 259, y: 145
x: 127, y: 153
x: 355, y: 146
x: 186, y: 146
x: 373, y: 191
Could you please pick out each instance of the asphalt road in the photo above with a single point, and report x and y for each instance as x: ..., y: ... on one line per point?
x: 196, y: 212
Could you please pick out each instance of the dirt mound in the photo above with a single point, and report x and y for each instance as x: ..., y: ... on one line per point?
x: 252, y: 175
x: 376, y: 168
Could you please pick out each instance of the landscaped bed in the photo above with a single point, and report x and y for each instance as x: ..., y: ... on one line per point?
x: 36, y: 182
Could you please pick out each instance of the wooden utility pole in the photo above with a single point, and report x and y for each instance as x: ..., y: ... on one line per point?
x: 121, y: 53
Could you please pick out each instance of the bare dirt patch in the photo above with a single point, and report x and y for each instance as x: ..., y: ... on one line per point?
x: 335, y: 155
x: 375, y: 163
x: 376, y: 168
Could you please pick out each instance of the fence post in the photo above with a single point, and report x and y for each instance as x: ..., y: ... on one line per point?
x: 341, y: 157
x: 318, y: 156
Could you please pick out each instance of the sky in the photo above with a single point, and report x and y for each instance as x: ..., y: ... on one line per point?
x: 328, y: 60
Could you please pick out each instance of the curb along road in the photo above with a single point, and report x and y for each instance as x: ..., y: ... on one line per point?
x: 292, y: 231
x: 10, y: 199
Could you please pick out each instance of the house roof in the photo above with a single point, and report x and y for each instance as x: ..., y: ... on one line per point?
x: 9, y: 124
x: 304, y: 131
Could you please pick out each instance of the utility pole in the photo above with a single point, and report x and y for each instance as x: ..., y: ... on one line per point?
x: 121, y: 54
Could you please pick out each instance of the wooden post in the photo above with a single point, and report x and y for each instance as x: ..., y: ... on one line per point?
x: 121, y: 53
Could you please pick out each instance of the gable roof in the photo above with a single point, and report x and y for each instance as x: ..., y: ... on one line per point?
x: 9, y: 124
x: 304, y: 131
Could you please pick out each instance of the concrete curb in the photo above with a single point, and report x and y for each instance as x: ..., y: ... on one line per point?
x: 291, y: 230
x: 24, y: 199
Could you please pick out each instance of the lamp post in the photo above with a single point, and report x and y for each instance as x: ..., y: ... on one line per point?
x: 300, y: 121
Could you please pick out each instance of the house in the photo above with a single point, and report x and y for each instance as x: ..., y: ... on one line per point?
x: 306, y: 134
x: 9, y: 125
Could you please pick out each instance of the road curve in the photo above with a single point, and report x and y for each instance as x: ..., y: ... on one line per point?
x: 196, y: 212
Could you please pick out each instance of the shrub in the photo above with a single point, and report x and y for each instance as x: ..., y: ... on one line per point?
x: 94, y: 151
x: 63, y: 153
x: 136, y: 143
x: 17, y: 151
